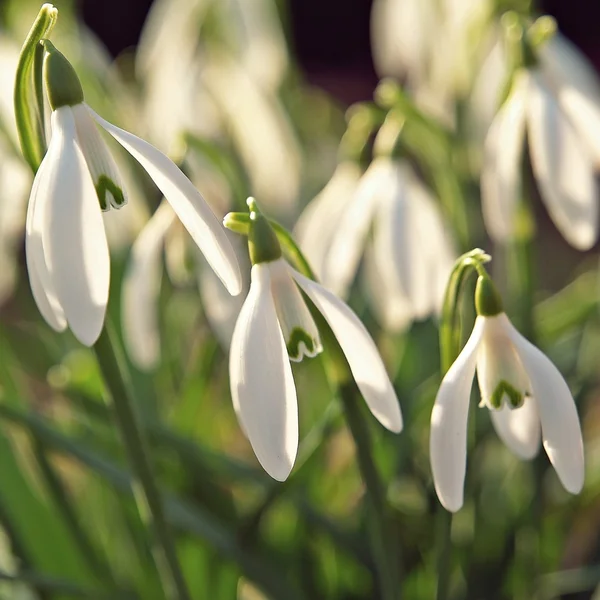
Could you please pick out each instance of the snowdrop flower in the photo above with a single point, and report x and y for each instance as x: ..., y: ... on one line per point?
x: 410, y: 255
x: 274, y: 327
x: 66, y: 247
x: 527, y: 396
x: 556, y: 102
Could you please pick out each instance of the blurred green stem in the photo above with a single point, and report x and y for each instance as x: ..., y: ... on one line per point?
x: 27, y: 92
x: 385, y: 548
x: 111, y: 361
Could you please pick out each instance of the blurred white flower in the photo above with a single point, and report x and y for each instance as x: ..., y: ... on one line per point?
x: 222, y: 83
x: 262, y: 133
x: 434, y: 47
x: 526, y: 395
x: 66, y: 247
x: 562, y: 156
x: 142, y: 281
x: 410, y: 254
x: 274, y: 327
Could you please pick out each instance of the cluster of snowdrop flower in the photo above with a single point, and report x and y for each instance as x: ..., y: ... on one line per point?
x: 410, y: 254
x: 410, y: 257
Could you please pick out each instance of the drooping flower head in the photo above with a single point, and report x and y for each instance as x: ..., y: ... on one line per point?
x: 274, y: 327
x: 66, y: 247
x: 553, y: 106
x: 527, y: 396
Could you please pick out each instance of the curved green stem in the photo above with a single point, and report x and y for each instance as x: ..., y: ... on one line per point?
x: 293, y: 250
x: 384, y: 547
x: 28, y: 94
x: 150, y: 503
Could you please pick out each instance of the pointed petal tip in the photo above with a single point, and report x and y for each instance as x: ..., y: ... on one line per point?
x: 279, y: 468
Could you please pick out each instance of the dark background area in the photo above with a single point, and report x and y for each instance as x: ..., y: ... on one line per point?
x: 331, y: 37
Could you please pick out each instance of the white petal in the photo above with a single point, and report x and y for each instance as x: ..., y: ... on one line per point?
x: 498, y: 361
x: 297, y: 325
x: 561, y: 432
x: 519, y: 428
x: 105, y: 173
x: 577, y: 86
x: 262, y: 132
x: 317, y: 226
x: 220, y: 307
x: 190, y: 206
x: 348, y: 244
x: 501, y: 172
x: 448, y: 441
x: 262, y: 387
x: 361, y: 353
x: 74, y: 238
x: 41, y: 283
x: 141, y: 289
x: 563, y: 168
x: 390, y: 305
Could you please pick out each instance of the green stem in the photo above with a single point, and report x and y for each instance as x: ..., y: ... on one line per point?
x: 293, y: 250
x: 386, y: 552
x: 450, y: 346
x: 26, y: 95
x: 385, y: 548
x: 150, y: 503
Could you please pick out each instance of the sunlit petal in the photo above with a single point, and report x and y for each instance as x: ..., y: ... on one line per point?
x: 141, y: 289
x: 561, y: 432
x: 103, y: 169
x: 348, y: 244
x: 262, y: 387
x: 577, y: 86
x: 74, y: 238
x: 448, y: 441
x: 563, y: 168
x: 519, y: 428
x: 361, y: 353
x: 191, y: 208
x: 297, y: 325
x: 41, y: 283
x: 501, y: 172
x: 319, y: 222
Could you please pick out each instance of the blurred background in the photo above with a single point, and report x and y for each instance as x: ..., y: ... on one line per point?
x: 251, y: 97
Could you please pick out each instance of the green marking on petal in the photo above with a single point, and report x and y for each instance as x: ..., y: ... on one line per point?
x: 106, y: 186
x: 515, y: 397
x: 299, y: 336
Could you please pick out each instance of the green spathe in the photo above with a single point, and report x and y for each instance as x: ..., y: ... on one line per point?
x: 487, y: 299
x: 62, y: 84
x: 263, y: 244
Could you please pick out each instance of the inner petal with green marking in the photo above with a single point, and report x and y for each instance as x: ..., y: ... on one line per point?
x: 297, y: 325
x: 501, y: 376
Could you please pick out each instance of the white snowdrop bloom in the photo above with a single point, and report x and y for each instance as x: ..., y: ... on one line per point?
x: 557, y: 103
x: 66, y: 247
x: 526, y: 394
x: 409, y: 254
x: 274, y: 327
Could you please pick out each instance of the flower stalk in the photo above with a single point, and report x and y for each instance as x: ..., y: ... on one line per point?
x: 149, y: 501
